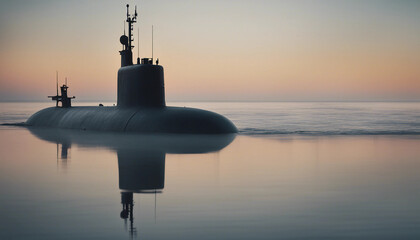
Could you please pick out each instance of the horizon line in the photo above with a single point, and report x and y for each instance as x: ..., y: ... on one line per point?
x: 239, y: 101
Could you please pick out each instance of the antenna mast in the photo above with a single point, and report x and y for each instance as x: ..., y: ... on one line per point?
x: 152, y: 43
x: 138, y: 45
x: 131, y: 19
x: 56, y: 80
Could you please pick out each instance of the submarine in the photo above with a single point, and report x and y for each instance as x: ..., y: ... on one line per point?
x: 141, y: 105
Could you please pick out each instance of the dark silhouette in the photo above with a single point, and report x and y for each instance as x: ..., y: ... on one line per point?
x: 141, y: 105
x: 127, y: 212
x: 141, y: 172
x: 126, y: 53
x: 64, y: 99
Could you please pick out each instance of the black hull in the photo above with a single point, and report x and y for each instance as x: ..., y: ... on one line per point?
x: 141, y: 120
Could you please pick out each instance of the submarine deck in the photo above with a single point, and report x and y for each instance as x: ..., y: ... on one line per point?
x: 142, y: 120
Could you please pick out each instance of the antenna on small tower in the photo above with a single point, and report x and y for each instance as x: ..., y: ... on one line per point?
x: 66, y: 81
x: 128, y: 15
x: 56, y: 80
x: 152, y: 43
x: 138, y: 45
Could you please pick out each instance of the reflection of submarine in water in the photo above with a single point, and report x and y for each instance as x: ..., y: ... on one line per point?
x: 141, y: 158
x: 141, y: 172
x: 140, y: 106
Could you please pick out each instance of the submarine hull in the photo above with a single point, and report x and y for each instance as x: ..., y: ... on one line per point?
x: 177, y: 120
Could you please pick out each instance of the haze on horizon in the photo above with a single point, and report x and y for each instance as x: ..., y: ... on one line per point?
x: 217, y: 50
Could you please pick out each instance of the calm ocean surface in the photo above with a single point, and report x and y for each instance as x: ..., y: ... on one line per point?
x: 295, y: 171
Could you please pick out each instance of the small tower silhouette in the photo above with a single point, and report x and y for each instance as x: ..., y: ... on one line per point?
x: 64, y: 99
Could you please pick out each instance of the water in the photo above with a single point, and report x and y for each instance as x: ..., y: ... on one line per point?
x: 279, y: 118
x: 296, y: 171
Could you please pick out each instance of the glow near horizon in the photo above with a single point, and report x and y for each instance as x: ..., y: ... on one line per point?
x: 217, y: 50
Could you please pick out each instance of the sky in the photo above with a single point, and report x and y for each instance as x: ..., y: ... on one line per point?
x: 230, y: 50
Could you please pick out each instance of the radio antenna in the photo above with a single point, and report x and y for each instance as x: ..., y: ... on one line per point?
x: 138, y: 42
x: 56, y: 80
x: 66, y: 81
x: 130, y: 20
x: 152, y: 43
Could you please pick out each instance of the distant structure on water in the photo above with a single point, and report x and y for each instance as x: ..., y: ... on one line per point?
x: 64, y: 99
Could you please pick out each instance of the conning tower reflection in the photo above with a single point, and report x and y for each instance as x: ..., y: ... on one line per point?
x: 139, y: 172
x: 141, y: 158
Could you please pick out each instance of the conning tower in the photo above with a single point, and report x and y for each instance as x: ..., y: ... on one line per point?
x: 141, y: 84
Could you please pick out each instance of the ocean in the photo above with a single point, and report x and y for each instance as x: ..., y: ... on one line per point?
x: 304, y: 170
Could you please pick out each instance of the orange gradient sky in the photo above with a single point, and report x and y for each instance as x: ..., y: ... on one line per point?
x: 217, y: 50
